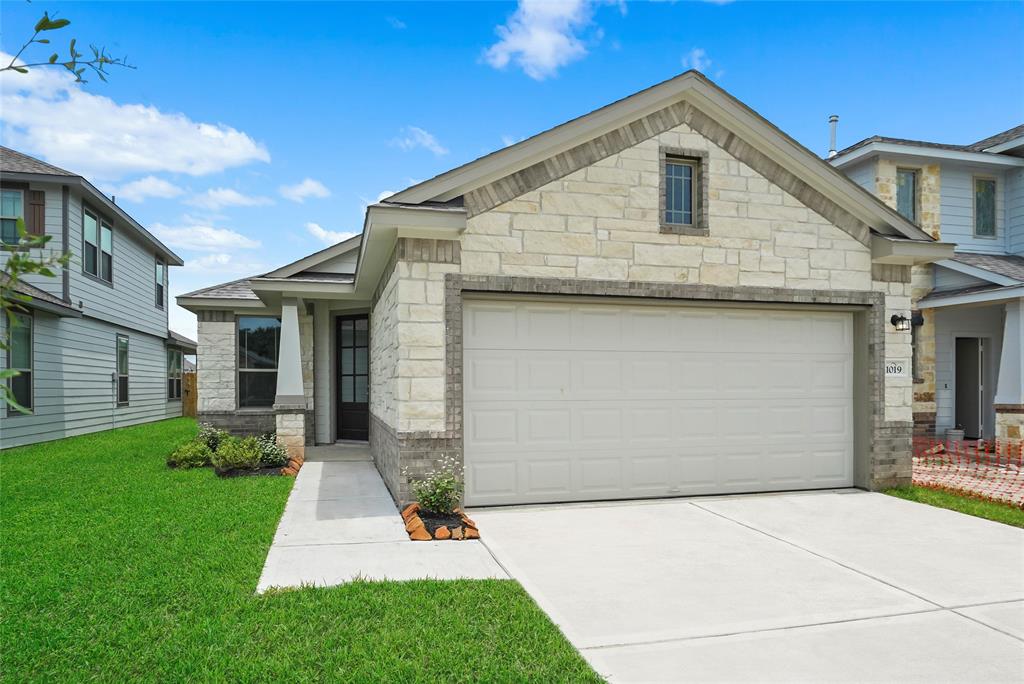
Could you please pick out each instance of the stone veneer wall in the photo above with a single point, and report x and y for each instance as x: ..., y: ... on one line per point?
x: 216, y: 360
x: 922, y: 281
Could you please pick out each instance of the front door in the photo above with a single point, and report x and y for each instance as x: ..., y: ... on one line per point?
x: 969, y: 385
x: 353, y: 388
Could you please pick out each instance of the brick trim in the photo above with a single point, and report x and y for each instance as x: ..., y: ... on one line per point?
x: 1009, y: 408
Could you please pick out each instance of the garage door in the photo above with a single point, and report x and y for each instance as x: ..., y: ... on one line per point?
x: 575, y: 401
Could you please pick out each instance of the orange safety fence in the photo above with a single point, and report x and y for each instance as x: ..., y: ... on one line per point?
x: 986, y: 469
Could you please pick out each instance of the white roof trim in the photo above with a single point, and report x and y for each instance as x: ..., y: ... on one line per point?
x: 193, y: 303
x: 1008, y: 145
x: 706, y: 96
x: 895, y: 149
x: 976, y: 272
x: 974, y: 298
x: 307, y: 262
x: 902, y: 252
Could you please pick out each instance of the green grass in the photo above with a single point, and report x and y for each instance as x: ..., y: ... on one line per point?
x: 990, y: 510
x: 116, y: 568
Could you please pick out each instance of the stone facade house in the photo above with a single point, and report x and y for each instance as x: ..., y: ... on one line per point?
x: 968, y: 332
x: 665, y: 296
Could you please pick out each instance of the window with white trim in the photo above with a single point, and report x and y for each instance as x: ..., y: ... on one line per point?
x: 12, y: 208
x: 174, y: 374
x: 985, y: 207
x: 122, y: 370
x: 259, y: 342
x: 906, y: 194
x: 159, y: 277
x: 97, y: 246
x: 19, y: 359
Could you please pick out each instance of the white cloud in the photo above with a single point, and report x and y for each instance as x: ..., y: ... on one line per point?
x: 307, y: 188
x: 224, y: 264
x: 413, y: 137
x: 396, y: 23
x: 542, y: 36
x: 328, y: 237
x: 150, y: 186
x: 47, y: 114
x: 697, y: 59
x: 203, y: 238
x: 218, y: 198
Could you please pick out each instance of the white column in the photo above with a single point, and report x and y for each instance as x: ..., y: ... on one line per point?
x: 1010, y: 386
x: 289, y: 363
x: 322, y: 372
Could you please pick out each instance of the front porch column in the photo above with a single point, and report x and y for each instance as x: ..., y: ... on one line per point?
x: 1009, y: 400
x: 290, y: 400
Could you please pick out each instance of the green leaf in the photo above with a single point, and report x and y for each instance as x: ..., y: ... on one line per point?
x: 43, y: 23
x: 44, y: 41
x: 21, y: 70
x: 53, y: 58
x: 54, y: 25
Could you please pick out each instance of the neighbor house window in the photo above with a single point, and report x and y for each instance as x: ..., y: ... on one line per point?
x: 984, y: 207
x: 174, y: 374
x: 159, y: 277
x: 259, y: 339
x: 19, y: 358
x: 98, y: 246
x: 122, y: 369
x: 906, y: 194
x: 12, y: 208
x: 680, y: 198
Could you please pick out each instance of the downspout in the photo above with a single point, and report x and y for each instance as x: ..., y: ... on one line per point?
x: 65, y: 242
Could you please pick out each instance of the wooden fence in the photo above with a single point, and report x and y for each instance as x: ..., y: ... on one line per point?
x: 188, y: 394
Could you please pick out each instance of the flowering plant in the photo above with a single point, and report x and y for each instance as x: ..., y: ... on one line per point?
x: 441, y: 490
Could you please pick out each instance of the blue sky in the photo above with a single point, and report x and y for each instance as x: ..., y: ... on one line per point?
x: 253, y: 134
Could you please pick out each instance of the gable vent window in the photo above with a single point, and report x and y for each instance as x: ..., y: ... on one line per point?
x: 906, y: 194
x: 984, y: 207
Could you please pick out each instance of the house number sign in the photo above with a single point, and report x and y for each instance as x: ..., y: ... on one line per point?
x: 895, y: 369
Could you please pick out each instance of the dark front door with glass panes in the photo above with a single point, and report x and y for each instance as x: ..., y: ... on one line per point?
x: 353, y: 337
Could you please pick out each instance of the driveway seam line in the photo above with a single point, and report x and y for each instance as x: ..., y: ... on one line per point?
x: 819, y: 555
x: 985, y: 624
x: 766, y: 629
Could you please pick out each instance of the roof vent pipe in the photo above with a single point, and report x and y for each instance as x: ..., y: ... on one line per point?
x: 833, y: 124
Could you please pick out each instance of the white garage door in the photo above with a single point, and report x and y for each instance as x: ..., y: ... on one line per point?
x: 575, y: 401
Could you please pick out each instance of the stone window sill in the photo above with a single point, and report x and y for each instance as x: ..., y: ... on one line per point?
x: 674, y: 229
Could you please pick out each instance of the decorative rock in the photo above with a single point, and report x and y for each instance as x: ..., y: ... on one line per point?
x: 457, y: 533
x: 290, y: 471
x: 409, y: 511
x: 471, y: 533
x: 442, y: 533
x: 468, y: 522
x: 420, y: 533
x: 414, y: 523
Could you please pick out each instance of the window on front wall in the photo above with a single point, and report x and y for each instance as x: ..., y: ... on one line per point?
x: 97, y: 246
x: 906, y: 194
x: 122, y: 369
x: 680, y: 199
x: 984, y: 207
x: 174, y: 374
x: 19, y: 358
x: 259, y: 341
x: 159, y: 277
x: 12, y: 208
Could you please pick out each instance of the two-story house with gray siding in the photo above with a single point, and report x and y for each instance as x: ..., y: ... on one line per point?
x: 92, y: 345
x: 969, y: 310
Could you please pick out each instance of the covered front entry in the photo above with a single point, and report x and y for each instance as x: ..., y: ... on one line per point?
x: 570, y: 400
x: 353, y: 370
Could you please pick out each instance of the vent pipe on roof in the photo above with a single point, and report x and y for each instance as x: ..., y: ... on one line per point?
x: 833, y: 124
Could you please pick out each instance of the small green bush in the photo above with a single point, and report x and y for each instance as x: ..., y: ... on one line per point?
x: 272, y: 453
x: 237, y: 454
x: 194, y: 454
x: 211, y: 436
x: 441, y: 490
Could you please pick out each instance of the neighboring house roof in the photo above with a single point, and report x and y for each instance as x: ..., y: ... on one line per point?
x: 998, y: 139
x: 1007, y: 265
x: 236, y: 289
x: 181, y: 341
x: 981, y: 146
x: 42, y: 300
x: 16, y: 165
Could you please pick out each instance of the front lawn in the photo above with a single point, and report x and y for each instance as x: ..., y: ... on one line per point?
x: 990, y: 510
x: 114, y: 567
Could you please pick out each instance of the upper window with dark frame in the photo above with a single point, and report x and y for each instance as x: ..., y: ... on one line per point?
x: 159, y: 277
x: 19, y: 358
x: 97, y: 246
x: 122, y: 370
x: 12, y: 208
x: 985, y: 207
x: 906, y: 194
x: 684, y: 191
x: 259, y: 342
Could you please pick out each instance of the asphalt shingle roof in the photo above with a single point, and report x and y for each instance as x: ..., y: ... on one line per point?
x: 236, y: 289
x: 990, y: 141
x: 1002, y: 264
x: 12, y: 161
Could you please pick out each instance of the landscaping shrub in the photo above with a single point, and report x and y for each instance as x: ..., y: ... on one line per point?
x: 441, y: 490
x: 272, y: 453
x: 237, y: 454
x: 211, y: 435
x: 194, y: 454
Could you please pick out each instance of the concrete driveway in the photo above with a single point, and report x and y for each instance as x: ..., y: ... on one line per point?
x: 830, y: 586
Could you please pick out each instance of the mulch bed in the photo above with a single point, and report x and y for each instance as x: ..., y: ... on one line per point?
x: 423, y: 525
x: 245, y: 472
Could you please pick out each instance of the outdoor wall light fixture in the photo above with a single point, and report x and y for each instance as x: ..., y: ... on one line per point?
x: 900, y: 322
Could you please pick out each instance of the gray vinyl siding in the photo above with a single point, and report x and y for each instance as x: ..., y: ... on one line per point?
x: 947, y: 279
x: 957, y: 210
x: 1015, y: 211
x: 130, y: 300
x: 73, y: 359
x: 863, y: 174
x: 54, y: 214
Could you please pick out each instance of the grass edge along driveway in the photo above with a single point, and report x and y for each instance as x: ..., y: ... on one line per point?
x: 980, y: 508
x: 115, y: 567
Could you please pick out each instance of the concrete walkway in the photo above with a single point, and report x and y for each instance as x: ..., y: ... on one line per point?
x: 340, y: 524
x: 816, y: 587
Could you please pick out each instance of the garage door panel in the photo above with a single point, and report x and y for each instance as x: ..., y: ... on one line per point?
x: 583, y: 402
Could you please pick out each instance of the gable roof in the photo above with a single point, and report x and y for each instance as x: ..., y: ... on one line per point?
x: 697, y: 90
x: 20, y: 166
x: 984, y: 145
x: 1006, y: 265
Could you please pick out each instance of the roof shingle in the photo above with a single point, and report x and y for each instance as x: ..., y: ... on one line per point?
x: 1006, y: 265
x: 12, y: 161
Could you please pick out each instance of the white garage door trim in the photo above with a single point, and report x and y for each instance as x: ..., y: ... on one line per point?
x: 569, y: 400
